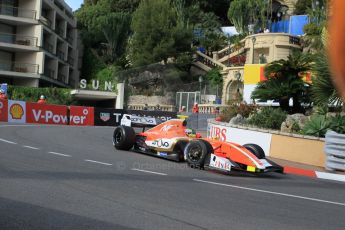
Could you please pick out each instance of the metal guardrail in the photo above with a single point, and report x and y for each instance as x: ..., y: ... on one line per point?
x: 335, y: 151
x: 18, y: 39
x: 19, y: 67
x: 17, y: 12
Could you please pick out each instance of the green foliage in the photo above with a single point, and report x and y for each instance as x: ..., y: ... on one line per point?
x: 244, y: 12
x: 301, y: 7
x: 57, y: 96
x: 284, y: 81
x: 243, y: 109
x: 91, y: 65
x: 319, y: 124
x: 268, y: 118
x: 159, y: 33
x: 215, y: 77
x: 323, y: 90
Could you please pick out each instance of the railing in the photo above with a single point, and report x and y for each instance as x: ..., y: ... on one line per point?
x: 49, y: 73
x: 48, y: 47
x: 45, y: 21
x: 211, y: 108
x: 59, y: 31
x: 208, y: 61
x: 60, y: 55
x: 18, y: 39
x: 62, y: 77
x: 151, y: 107
x: 17, y: 12
x: 71, y: 60
x: 19, y: 67
x: 70, y: 39
x: 229, y: 50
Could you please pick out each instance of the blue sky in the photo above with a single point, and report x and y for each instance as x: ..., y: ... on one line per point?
x: 75, y: 4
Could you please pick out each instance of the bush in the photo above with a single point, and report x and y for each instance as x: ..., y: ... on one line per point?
x: 57, y: 96
x: 244, y: 109
x: 319, y: 124
x: 268, y: 118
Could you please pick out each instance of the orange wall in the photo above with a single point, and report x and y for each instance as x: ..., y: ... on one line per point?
x: 305, y: 151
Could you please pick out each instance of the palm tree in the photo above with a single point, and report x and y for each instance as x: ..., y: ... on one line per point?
x: 284, y: 81
x: 323, y: 90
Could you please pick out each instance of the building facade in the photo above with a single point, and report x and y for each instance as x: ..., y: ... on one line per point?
x: 38, y: 43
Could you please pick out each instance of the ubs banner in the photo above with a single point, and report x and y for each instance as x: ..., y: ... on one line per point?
x: 112, y: 117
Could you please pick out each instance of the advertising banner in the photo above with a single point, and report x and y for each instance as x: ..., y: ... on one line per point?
x: 47, y: 114
x: 112, y: 117
x: 81, y: 116
x: 3, y: 86
x: 3, y: 110
x: 16, y: 112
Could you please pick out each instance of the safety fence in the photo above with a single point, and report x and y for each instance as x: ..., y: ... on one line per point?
x: 335, y: 151
x: 21, y: 112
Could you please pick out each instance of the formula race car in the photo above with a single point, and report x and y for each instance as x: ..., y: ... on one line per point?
x: 173, y: 140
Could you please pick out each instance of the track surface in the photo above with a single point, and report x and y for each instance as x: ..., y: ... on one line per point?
x: 56, y: 177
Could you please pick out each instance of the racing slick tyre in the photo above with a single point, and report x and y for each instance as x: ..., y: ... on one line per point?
x: 124, y: 137
x: 196, y: 154
x: 256, y: 150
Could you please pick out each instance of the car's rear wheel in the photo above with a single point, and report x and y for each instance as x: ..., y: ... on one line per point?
x: 256, y: 150
x: 124, y: 137
x: 196, y: 153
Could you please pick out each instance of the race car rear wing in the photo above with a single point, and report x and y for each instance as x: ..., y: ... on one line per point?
x: 140, y: 122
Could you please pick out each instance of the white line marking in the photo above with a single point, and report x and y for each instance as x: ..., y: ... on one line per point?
x: 30, y: 147
x: 146, y: 171
x: 330, y: 176
x: 269, y: 192
x: 60, y: 154
x: 9, y: 142
x: 98, y: 162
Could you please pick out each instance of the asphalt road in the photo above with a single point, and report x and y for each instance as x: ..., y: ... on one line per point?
x: 56, y: 177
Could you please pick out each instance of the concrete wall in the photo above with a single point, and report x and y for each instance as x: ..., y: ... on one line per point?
x: 152, y: 100
x: 306, y: 151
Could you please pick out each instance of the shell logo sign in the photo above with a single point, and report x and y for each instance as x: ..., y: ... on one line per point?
x: 16, y: 111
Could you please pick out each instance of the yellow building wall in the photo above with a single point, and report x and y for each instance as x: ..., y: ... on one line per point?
x: 253, y: 73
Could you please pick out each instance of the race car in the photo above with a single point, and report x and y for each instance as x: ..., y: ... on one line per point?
x: 173, y: 140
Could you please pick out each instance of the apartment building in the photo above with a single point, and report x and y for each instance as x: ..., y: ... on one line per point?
x: 38, y: 43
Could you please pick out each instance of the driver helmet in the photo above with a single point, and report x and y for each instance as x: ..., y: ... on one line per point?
x: 2, y: 91
x: 188, y: 131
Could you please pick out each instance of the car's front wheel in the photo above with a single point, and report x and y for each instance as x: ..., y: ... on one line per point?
x: 256, y: 150
x: 124, y: 137
x: 196, y: 153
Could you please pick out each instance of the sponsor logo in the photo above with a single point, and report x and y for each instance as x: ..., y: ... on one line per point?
x: 48, y: 116
x: 160, y: 143
x: 217, y: 133
x: 16, y: 111
x: 104, y: 116
x: 220, y: 163
x: 162, y: 154
x: 77, y: 119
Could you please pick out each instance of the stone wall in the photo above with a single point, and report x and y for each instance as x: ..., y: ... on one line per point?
x: 151, y: 100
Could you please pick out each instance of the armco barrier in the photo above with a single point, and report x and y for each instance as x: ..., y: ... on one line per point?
x: 80, y: 115
x: 46, y: 114
x: 335, y: 151
x: 3, y: 110
x: 112, y: 117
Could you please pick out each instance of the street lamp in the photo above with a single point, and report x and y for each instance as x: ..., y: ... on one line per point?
x: 200, y: 82
x: 253, y: 40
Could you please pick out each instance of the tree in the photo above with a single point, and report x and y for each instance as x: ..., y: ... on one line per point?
x: 284, y: 81
x: 158, y: 33
x: 301, y: 6
x: 244, y: 12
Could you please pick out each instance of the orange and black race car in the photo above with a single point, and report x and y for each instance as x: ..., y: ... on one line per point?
x: 173, y: 140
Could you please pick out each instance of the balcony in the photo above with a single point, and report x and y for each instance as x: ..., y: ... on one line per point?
x: 62, y: 78
x: 71, y: 60
x: 60, y: 54
x: 48, y: 47
x: 59, y: 31
x: 18, y: 39
x: 46, y: 21
x: 49, y: 73
x: 19, y: 67
x: 70, y: 39
x: 17, y: 12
